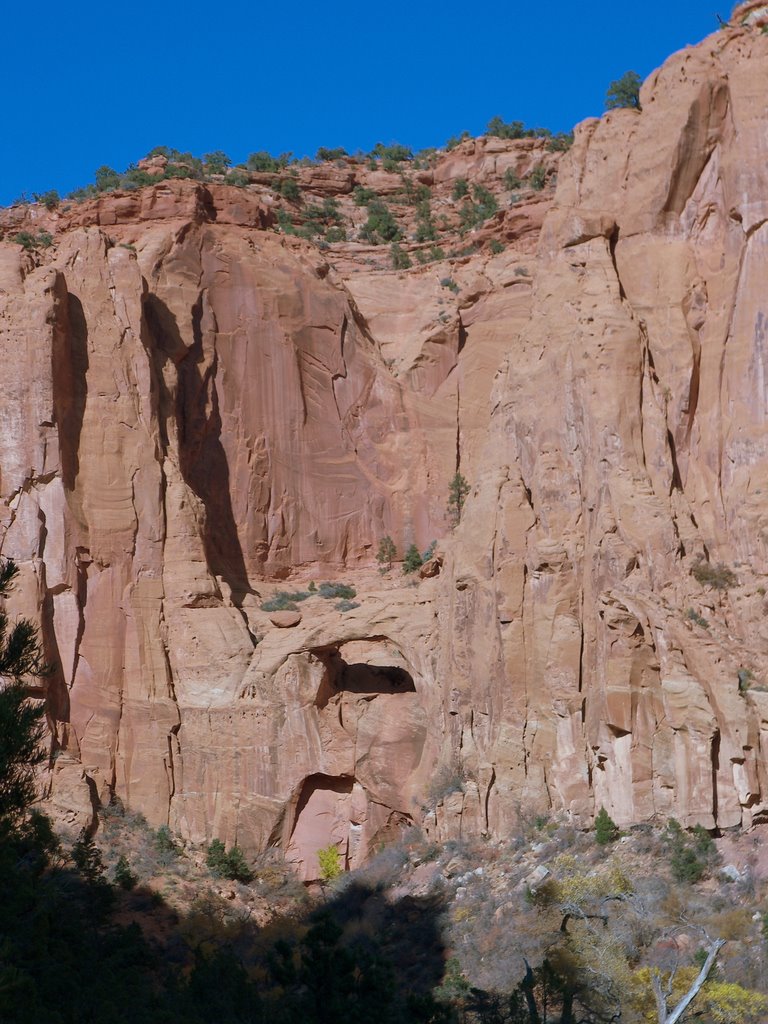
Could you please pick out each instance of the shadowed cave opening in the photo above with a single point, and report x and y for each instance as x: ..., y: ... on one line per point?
x: 363, y: 678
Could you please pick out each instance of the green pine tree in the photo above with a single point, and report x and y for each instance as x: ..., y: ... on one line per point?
x: 458, y: 489
x: 606, y: 829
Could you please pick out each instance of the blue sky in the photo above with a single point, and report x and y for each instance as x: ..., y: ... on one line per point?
x: 87, y: 84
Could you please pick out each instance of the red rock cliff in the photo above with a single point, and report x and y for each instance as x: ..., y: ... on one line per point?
x: 197, y: 407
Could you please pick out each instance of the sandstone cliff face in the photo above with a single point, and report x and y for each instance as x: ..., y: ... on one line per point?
x: 197, y: 408
x: 584, y: 676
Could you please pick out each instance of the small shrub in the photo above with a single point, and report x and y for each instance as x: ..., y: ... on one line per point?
x: 332, y: 590
x: 521, y: 272
x: 216, y: 162
x: 265, y: 162
x: 400, y: 259
x: 363, y: 196
x: 50, y: 200
x: 460, y: 188
x: 746, y: 677
x: 512, y: 180
x: 412, y: 560
x: 450, y: 284
x: 324, y: 154
x: 228, y: 864
x: 312, y: 588
x: 719, y: 576
x: 538, y: 178
x: 561, y: 142
x: 606, y: 829
x: 448, y: 778
x: 381, y: 226
x: 165, y: 844
x: 346, y: 606
x: 690, y: 856
x: 335, y: 234
x: 239, y: 178
x: 284, y: 601
x: 29, y: 241
x: 496, y: 247
x: 693, y: 616
x: 288, y: 189
x: 393, y: 154
x: 429, y: 552
x: 456, y: 140
x: 124, y: 877
x: 330, y: 863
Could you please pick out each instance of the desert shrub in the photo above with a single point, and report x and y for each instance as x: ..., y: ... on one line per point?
x: 460, y: 188
x: 450, y: 284
x: 381, y: 226
x: 496, y: 247
x: 484, y: 205
x: 165, y: 845
x: 561, y: 142
x: 288, y: 188
x: 29, y: 241
x: 50, y: 200
x: 285, y: 223
x: 606, y: 829
x: 346, y: 606
x: 521, y: 272
x: 264, y: 162
x: 363, y: 196
x: 284, y: 601
x: 512, y: 129
x: 690, y: 855
x: 324, y: 153
x: 693, y: 616
x: 426, y: 230
x: 512, y: 179
x: 412, y: 560
x: 216, y: 162
x: 400, y: 259
x: 239, y: 178
x: 448, y: 778
x: 538, y: 178
x: 332, y: 590
x: 393, y: 154
x: 719, y: 576
x: 429, y: 552
x: 229, y: 864
x: 456, y: 140
x: 335, y: 234
x: 746, y: 677
x: 330, y: 862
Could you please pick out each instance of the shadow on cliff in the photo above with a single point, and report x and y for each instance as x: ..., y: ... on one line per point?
x: 194, y: 406
x: 70, y: 388
x: 78, y: 949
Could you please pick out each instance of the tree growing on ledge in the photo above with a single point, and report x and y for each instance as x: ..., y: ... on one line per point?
x: 458, y: 489
x: 624, y: 92
x: 387, y: 552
